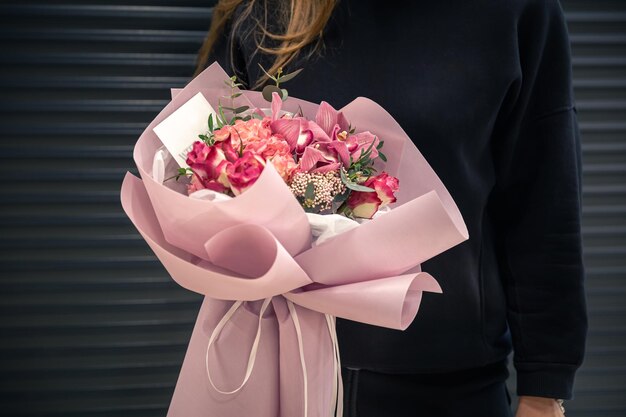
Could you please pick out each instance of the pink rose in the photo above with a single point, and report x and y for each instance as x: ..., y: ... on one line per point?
x: 205, y: 161
x: 208, y: 164
x: 385, y: 186
x: 366, y: 204
x: 226, y: 146
x: 244, y: 172
x: 198, y: 183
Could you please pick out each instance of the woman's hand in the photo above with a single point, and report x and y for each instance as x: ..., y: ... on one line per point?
x: 538, y: 407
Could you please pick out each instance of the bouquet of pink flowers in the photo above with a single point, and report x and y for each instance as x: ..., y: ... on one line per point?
x: 284, y: 218
x: 328, y: 167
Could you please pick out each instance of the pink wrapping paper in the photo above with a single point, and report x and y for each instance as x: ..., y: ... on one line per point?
x: 258, y: 245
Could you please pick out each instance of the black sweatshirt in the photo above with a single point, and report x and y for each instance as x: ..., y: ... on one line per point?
x: 484, y: 90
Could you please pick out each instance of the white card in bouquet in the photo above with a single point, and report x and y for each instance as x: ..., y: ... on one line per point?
x: 180, y: 129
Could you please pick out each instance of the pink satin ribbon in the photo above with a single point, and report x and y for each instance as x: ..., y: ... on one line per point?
x: 251, y: 359
x: 337, y: 390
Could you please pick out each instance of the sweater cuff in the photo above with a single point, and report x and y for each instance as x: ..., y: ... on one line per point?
x: 551, y: 381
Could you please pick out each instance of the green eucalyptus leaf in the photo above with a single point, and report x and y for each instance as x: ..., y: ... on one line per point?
x: 342, y: 175
x: 380, y: 144
x: 352, y: 185
x: 211, y: 122
x: 266, y: 73
x: 268, y: 90
x: 291, y: 75
x: 361, y: 188
x: 340, y: 198
x: 365, y: 157
x: 382, y: 156
x: 309, y: 193
x: 369, y: 148
x: 235, y: 95
x: 221, y: 111
x: 241, y: 109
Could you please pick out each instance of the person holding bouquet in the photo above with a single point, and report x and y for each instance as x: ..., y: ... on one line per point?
x: 484, y: 90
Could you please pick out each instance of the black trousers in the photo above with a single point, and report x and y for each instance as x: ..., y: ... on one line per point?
x: 478, y: 392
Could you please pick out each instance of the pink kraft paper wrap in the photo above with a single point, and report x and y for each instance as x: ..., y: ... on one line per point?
x: 258, y: 245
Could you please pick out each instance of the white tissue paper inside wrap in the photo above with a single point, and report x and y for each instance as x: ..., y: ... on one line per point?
x: 323, y: 226
x: 161, y: 158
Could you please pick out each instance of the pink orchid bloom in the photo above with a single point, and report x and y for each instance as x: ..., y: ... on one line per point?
x: 299, y: 132
x: 319, y: 143
x: 360, y: 142
x: 277, y: 104
x: 315, y: 161
x: 327, y: 118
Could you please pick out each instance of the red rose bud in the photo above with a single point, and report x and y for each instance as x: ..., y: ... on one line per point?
x: 366, y: 204
x: 363, y: 204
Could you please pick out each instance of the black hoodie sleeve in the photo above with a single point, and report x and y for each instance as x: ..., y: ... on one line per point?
x: 537, y: 204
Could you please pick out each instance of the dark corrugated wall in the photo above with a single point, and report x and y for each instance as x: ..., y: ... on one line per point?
x: 91, y: 323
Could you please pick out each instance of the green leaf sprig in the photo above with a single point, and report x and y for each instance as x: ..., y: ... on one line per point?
x: 221, y: 119
x: 278, y: 78
x: 361, y: 169
x: 182, y: 172
x: 236, y: 111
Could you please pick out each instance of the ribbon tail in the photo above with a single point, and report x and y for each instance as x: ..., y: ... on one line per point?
x: 296, y: 323
x: 253, y: 351
x: 337, y: 381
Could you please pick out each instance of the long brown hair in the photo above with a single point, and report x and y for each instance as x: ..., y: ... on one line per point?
x: 301, y: 24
